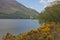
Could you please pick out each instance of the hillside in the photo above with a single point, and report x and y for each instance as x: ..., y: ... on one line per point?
x: 13, y: 9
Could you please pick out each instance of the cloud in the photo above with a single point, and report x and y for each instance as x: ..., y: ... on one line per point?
x: 32, y: 7
x: 42, y: 1
x: 46, y: 1
x: 51, y: 0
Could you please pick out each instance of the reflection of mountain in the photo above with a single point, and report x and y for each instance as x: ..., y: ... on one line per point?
x: 13, y: 9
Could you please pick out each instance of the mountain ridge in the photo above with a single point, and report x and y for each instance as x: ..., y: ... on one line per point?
x: 12, y: 6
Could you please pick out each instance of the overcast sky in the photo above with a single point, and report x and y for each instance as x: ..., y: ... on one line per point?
x: 38, y: 5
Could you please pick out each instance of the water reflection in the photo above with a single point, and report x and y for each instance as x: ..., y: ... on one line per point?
x: 17, y: 26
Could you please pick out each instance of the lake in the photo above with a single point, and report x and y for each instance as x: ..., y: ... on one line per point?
x: 17, y: 26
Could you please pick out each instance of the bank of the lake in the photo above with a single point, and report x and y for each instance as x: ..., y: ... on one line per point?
x: 17, y: 26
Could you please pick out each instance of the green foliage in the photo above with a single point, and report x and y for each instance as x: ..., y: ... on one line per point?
x: 50, y: 14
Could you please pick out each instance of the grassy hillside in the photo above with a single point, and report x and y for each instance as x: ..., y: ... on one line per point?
x: 11, y: 9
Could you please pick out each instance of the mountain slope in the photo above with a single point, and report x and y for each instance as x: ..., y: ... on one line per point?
x: 14, y: 9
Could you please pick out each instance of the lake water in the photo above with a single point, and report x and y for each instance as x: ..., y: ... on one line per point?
x: 17, y: 26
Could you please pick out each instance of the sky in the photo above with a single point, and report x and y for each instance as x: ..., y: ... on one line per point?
x: 38, y: 5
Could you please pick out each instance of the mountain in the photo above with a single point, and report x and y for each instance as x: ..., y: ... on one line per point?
x: 15, y: 10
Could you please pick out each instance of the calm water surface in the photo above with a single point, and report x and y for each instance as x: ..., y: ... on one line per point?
x: 17, y: 26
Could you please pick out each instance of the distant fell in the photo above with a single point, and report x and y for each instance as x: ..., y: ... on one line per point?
x: 15, y: 10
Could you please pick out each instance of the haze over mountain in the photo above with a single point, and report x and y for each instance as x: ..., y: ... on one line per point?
x: 13, y: 9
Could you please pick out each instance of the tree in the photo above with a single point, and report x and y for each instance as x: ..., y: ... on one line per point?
x: 50, y: 14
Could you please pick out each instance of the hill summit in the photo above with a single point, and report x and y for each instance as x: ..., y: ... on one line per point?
x: 13, y: 9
